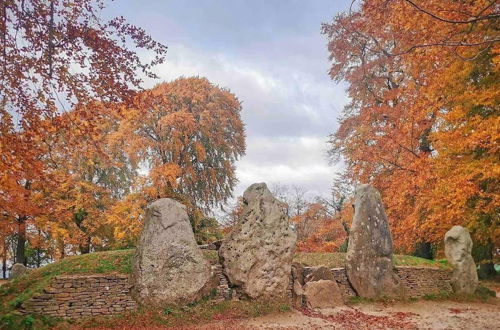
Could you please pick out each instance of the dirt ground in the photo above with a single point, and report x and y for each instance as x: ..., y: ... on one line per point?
x: 415, y: 315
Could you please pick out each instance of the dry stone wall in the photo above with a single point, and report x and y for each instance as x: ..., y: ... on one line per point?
x: 418, y: 281
x: 75, y: 296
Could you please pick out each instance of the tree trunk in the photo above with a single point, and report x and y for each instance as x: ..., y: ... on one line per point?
x: 21, y: 240
x: 423, y: 250
x: 85, y: 248
x: 62, y: 246
x: 487, y: 267
x: 4, y: 259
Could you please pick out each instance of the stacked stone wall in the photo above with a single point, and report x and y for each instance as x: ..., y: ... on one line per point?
x: 418, y: 281
x: 340, y: 275
x: 78, y: 296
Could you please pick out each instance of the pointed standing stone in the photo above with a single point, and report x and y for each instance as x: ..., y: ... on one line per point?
x: 257, y: 255
x: 369, y: 252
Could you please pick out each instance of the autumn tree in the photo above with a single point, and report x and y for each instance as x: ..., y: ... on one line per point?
x: 318, y: 230
x: 321, y: 222
x: 56, y: 54
x: 91, y: 178
x: 188, y: 134
x: 422, y: 124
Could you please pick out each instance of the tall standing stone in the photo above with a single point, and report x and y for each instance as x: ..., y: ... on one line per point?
x: 257, y: 255
x: 168, y: 266
x: 369, y: 252
x: 458, y: 247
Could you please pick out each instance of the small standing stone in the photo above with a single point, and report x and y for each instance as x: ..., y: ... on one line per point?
x: 322, y: 294
x: 18, y: 270
x: 321, y: 289
x: 458, y: 247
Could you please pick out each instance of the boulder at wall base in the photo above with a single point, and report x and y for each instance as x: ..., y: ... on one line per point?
x: 317, y: 289
x: 168, y: 266
x: 458, y: 247
x: 369, y: 253
x: 257, y: 255
x: 18, y: 270
x: 322, y: 294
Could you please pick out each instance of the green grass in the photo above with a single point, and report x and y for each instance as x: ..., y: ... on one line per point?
x: 15, y: 292
x: 336, y: 260
x: 482, y: 294
x: 404, y: 260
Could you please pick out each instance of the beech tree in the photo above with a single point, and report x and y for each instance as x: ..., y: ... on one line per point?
x: 189, y: 134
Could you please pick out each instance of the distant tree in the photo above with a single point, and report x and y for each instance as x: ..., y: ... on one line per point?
x: 294, y: 196
x: 322, y: 224
x: 189, y: 134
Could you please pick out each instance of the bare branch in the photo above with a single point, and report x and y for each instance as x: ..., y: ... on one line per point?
x: 468, y: 21
x: 488, y: 42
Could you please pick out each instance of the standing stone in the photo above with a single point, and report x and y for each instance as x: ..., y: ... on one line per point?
x: 369, y: 252
x: 17, y: 270
x: 257, y: 255
x: 168, y: 266
x: 457, y: 247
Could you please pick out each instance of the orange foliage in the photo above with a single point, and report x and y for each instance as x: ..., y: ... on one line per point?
x: 423, y: 123
x: 318, y: 231
x: 189, y: 134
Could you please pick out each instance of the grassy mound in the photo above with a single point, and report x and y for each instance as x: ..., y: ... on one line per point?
x: 14, y: 293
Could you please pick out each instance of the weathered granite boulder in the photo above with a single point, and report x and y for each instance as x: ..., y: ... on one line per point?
x: 322, y: 294
x: 257, y: 255
x: 18, y: 270
x: 457, y: 247
x: 369, y: 253
x: 169, y: 268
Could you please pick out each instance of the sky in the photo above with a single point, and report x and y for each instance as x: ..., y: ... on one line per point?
x: 272, y: 56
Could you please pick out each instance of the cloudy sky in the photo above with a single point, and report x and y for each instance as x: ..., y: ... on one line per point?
x: 270, y: 53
